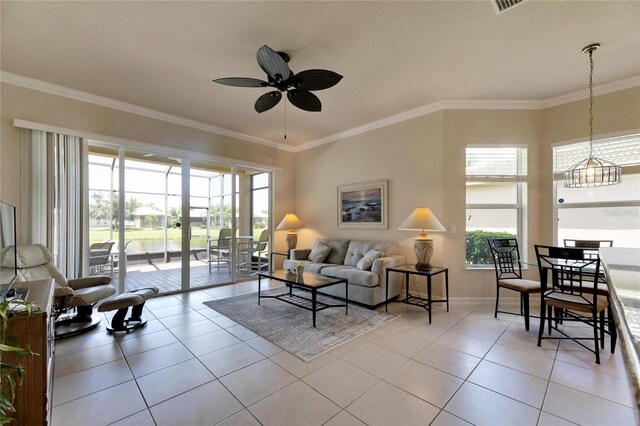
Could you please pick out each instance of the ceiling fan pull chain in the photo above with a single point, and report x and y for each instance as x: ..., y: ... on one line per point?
x: 285, y: 118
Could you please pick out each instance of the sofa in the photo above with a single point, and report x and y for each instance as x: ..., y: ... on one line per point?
x: 366, y: 286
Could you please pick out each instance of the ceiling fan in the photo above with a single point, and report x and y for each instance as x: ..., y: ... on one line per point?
x: 280, y: 77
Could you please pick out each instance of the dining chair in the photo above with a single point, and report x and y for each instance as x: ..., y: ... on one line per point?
x: 569, y: 298
x: 220, y: 249
x: 100, y: 258
x: 591, y: 246
x: 592, y: 250
x: 506, y: 261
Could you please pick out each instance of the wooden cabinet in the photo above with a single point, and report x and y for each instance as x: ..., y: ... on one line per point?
x: 33, y: 397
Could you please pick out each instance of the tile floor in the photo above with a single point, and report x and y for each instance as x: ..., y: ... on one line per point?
x: 191, y: 366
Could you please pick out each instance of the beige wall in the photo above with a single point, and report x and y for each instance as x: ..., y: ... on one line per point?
x: 495, y: 127
x: 408, y: 154
x: 424, y: 161
x: 21, y: 103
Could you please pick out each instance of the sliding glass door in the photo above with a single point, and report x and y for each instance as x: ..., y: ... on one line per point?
x: 153, y: 221
x: 211, y: 225
x: 183, y: 224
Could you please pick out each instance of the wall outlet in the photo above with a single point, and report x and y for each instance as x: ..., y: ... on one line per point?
x: 452, y: 229
x: 415, y: 279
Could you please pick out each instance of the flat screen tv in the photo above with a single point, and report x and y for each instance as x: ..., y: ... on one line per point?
x: 8, y: 259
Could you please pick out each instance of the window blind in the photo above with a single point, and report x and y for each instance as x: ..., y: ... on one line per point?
x: 508, y: 163
x: 623, y: 151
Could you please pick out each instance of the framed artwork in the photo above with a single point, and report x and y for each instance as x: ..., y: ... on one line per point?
x: 363, y: 205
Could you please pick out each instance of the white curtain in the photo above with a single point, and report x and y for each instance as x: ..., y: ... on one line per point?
x: 56, y: 198
x: 6, y: 225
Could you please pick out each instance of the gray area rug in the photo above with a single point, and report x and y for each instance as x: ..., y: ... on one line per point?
x: 291, y: 328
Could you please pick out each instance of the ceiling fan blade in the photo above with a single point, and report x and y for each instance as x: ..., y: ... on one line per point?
x: 273, y: 64
x: 268, y: 101
x: 304, y: 99
x: 316, y: 79
x: 241, y: 82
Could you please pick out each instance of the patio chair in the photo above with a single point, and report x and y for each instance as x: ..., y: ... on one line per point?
x: 100, y: 258
x: 116, y: 256
x: 506, y: 261
x: 253, y: 252
x: 220, y: 250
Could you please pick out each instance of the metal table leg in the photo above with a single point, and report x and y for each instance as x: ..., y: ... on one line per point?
x: 429, y: 296
x: 446, y: 285
x: 313, y: 305
x: 386, y: 292
x: 346, y: 297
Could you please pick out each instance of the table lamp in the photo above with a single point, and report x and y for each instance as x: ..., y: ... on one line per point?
x: 290, y: 223
x: 422, y: 219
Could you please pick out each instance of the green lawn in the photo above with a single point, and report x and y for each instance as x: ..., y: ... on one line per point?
x: 98, y: 234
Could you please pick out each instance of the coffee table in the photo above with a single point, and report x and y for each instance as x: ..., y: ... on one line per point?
x: 308, y: 281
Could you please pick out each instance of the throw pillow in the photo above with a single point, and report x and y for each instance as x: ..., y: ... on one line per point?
x: 319, y: 253
x: 366, y: 262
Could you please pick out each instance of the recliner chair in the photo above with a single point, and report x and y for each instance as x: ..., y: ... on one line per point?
x: 35, y: 262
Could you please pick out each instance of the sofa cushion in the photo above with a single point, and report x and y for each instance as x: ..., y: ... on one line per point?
x: 319, y: 253
x: 308, y: 266
x: 366, y: 262
x: 353, y: 274
x: 338, y: 250
x: 357, y: 250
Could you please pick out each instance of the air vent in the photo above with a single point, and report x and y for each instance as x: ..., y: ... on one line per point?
x: 502, y: 5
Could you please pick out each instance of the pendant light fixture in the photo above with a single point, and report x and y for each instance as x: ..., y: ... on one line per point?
x: 592, y: 171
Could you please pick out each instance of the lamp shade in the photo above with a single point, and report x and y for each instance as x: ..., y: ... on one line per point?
x: 290, y: 222
x: 422, y: 219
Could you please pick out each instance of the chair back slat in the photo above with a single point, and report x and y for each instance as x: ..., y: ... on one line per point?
x: 570, y: 268
x: 506, y: 257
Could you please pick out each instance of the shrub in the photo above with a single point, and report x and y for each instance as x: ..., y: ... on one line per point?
x: 478, y: 252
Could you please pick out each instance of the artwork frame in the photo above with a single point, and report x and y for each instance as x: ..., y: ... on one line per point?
x: 363, y: 205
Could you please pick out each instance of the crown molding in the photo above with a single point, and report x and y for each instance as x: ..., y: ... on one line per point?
x: 470, y: 104
x: 54, y: 89
x: 417, y: 112
x: 627, y: 83
x: 79, y: 95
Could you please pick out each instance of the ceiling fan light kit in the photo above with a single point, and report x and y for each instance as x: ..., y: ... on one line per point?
x: 279, y: 77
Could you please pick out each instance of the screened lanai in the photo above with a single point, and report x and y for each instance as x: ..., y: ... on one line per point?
x: 157, y: 191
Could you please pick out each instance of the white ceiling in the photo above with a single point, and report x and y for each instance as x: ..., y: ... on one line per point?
x: 394, y: 56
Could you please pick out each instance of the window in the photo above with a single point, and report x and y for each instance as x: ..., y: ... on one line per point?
x: 259, y: 203
x: 601, y: 213
x: 495, y: 193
